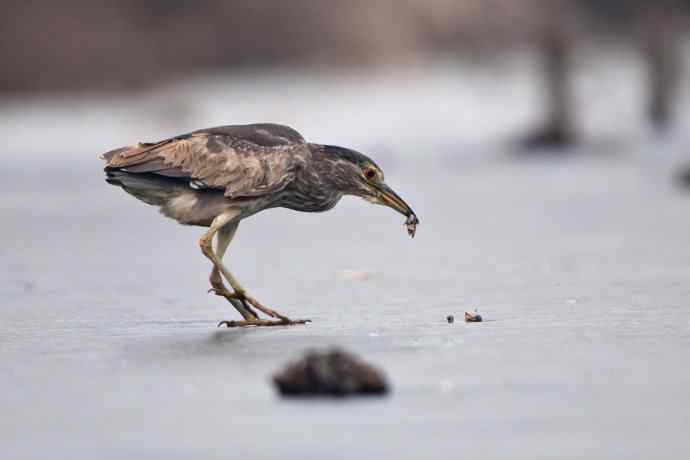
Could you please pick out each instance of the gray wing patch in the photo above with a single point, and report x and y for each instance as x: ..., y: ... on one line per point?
x: 262, y: 134
x: 239, y: 166
x: 156, y: 166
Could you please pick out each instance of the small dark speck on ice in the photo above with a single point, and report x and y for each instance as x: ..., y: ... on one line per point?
x: 331, y: 373
x: 473, y: 317
x: 450, y: 319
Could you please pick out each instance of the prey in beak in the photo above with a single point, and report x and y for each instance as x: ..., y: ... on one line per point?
x: 387, y: 197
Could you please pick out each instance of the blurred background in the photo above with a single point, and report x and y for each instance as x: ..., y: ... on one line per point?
x: 543, y: 144
x: 546, y: 72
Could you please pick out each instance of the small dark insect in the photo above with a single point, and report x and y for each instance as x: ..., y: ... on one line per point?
x: 473, y: 317
x: 450, y: 319
x: 330, y: 373
x: 411, y: 224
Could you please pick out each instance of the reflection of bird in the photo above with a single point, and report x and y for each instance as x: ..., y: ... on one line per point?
x: 216, y: 177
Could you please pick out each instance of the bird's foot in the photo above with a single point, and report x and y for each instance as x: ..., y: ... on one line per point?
x: 248, y: 302
x: 263, y: 322
x: 245, y: 298
x: 237, y: 301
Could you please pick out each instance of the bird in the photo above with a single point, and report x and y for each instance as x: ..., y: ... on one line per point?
x: 216, y: 177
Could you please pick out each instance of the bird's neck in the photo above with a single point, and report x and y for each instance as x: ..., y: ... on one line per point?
x: 313, y: 189
x: 326, y: 170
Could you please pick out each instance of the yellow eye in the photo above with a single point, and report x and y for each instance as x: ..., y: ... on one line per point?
x: 370, y: 173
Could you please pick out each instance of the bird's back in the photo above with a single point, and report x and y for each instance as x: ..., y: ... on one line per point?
x: 194, y: 176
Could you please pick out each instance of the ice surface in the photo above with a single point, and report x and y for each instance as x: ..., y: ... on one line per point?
x: 580, y: 267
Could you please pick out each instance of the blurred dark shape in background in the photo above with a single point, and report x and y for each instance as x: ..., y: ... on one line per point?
x: 96, y: 44
x: 655, y: 28
x: 683, y: 177
x: 99, y: 45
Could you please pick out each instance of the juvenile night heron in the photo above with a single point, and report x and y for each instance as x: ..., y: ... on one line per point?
x: 218, y: 176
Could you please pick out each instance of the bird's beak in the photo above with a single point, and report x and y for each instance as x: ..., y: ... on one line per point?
x: 387, y: 197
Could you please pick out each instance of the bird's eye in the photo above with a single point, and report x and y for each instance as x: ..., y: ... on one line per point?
x: 369, y: 173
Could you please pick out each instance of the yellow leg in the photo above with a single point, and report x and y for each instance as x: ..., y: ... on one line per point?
x: 225, y: 230
x: 223, y: 238
x: 222, y: 226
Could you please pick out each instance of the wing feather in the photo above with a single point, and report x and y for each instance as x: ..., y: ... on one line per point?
x: 244, y: 161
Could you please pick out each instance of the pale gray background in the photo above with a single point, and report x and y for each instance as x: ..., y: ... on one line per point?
x: 580, y: 265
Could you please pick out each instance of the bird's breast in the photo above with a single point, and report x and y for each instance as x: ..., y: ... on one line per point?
x: 315, y: 200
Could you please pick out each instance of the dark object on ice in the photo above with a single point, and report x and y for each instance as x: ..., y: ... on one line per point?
x: 553, y: 136
x: 217, y: 177
x: 331, y: 373
x: 450, y: 319
x: 473, y: 317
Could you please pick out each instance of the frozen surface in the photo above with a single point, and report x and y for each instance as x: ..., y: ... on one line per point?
x: 580, y: 266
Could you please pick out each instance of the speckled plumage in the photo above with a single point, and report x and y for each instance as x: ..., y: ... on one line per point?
x: 254, y: 167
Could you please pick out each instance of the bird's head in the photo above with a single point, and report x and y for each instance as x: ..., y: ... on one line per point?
x: 356, y: 174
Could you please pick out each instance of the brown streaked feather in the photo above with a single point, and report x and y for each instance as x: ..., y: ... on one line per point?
x: 244, y: 161
x: 107, y: 156
x: 263, y: 134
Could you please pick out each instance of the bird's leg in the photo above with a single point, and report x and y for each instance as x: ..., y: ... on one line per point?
x: 223, y: 238
x: 239, y: 299
x: 246, y: 301
x: 255, y: 303
x: 242, y: 295
x: 225, y: 235
x: 218, y: 287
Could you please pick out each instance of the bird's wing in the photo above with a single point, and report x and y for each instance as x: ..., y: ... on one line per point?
x: 243, y: 161
x: 263, y: 134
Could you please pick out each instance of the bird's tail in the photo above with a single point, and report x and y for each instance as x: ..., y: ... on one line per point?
x: 149, y: 188
x: 107, y: 156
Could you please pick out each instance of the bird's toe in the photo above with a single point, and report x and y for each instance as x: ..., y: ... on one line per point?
x: 262, y: 322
